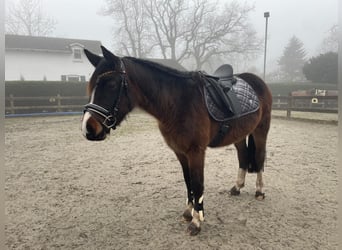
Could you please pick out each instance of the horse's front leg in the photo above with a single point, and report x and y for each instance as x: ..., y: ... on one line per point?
x: 187, y: 215
x: 196, y: 171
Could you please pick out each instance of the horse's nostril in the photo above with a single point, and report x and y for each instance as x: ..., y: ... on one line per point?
x: 90, y: 129
x: 92, y: 134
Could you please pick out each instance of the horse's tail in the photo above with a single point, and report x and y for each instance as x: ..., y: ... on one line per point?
x: 252, y: 166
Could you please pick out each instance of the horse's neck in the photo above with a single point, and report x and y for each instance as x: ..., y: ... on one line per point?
x: 156, y: 97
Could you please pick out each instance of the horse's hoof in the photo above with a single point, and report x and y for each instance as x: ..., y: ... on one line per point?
x: 193, y: 229
x: 187, y: 216
x: 234, y: 191
x: 259, y: 195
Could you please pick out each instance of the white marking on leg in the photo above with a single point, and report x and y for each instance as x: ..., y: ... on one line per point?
x: 196, y: 218
x: 241, y: 178
x: 187, y: 201
x: 200, y: 212
x: 200, y: 200
x: 201, y: 215
x: 189, y: 207
x: 259, y: 182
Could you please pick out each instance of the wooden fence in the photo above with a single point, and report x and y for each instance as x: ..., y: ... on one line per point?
x: 44, y: 104
x: 320, y: 104
x: 48, y: 104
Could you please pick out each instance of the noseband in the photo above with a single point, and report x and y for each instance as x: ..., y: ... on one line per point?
x: 109, y: 117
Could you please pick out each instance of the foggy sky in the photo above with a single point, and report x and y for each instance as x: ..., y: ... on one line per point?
x: 309, y: 20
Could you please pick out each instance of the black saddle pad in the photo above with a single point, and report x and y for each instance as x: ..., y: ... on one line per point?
x: 245, y: 95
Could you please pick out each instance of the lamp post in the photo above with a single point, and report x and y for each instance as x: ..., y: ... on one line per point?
x: 266, y: 15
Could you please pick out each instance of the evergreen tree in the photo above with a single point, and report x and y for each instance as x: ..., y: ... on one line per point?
x: 322, y: 68
x: 292, y: 61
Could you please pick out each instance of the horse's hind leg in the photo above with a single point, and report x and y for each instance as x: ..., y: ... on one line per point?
x: 251, y: 158
x: 257, y: 146
x: 257, y: 164
x: 242, y: 152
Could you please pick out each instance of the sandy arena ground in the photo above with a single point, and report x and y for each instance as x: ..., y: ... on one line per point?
x: 63, y: 192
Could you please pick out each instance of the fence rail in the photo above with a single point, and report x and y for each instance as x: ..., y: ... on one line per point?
x: 319, y: 104
x: 58, y: 103
x: 42, y: 104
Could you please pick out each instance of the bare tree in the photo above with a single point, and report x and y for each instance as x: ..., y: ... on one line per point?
x: 132, y: 28
x: 184, y: 29
x: 168, y: 19
x: 27, y: 18
x: 330, y: 43
x: 223, y: 33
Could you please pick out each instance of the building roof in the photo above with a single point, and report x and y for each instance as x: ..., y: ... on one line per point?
x: 63, y: 45
x: 53, y: 44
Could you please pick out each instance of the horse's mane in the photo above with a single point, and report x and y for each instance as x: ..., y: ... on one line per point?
x: 168, y: 71
x: 162, y: 68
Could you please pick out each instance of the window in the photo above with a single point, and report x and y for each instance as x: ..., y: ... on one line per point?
x: 77, y: 54
x: 73, y: 78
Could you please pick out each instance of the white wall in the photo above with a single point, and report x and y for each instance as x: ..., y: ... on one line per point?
x: 33, y: 65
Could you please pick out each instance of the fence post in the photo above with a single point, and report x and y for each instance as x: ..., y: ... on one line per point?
x: 11, y: 99
x: 289, y: 105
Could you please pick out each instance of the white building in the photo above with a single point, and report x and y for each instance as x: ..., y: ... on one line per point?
x: 48, y: 58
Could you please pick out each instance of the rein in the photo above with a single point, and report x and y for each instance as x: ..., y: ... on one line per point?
x: 110, y: 117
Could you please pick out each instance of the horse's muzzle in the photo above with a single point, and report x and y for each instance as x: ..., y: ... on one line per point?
x: 93, y: 130
x: 105, y: 117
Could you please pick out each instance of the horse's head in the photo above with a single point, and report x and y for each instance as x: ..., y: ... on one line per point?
x: 109, y: 100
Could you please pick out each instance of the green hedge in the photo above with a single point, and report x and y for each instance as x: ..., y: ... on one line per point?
x: 41, y: 88
x: 286, y: 88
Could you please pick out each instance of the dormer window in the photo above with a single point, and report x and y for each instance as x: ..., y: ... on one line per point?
x: 77, y: 54
x: 76, y: 49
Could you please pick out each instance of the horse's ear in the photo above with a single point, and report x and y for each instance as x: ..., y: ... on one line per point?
x: 93, y: 58
x: 109, y: 55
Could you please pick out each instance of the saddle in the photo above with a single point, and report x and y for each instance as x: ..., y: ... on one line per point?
x: 219, y: 87
x: 227, y: 97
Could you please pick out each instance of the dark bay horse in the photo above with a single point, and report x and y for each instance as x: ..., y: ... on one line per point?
x: 176, y: 100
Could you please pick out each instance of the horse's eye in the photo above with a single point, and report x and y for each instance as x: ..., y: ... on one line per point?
x: 106, y: 82
x: 111, y: 85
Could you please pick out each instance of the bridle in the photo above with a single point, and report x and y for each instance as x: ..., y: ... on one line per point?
x: 110, y: 116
